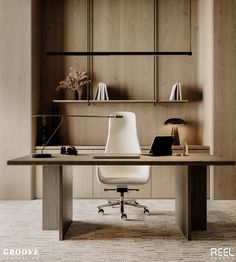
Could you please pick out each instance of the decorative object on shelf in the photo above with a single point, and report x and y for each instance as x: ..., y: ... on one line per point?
x: 70, y: 150
x: 101, y: 92
x: 176, y: 92
x: 185, y: 149
x: 73, y: 83
x: 43, y: 155
x: 174, y: 132
x: 69, y: 94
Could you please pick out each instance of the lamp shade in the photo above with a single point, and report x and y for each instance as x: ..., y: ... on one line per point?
x: 174, y: 121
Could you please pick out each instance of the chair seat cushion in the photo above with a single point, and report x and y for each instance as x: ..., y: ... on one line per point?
x: 123, y: 175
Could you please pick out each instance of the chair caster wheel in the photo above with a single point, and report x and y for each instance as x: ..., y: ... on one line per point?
x: 146, y: 211
x: 124, y: 217
x: 100, y: 211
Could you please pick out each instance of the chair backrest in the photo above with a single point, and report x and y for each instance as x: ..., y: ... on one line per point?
x: 122, y: 134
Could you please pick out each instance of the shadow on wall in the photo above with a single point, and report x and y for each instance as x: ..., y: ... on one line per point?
x: 193, y: 93
x: 115, y: 93
x: 192, y: 132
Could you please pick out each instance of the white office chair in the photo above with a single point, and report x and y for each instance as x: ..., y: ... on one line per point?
x: 122, y: 139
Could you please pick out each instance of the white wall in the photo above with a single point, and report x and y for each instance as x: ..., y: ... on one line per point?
x: 15, y: 97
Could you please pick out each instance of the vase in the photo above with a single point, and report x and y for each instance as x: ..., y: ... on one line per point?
x: 81, y: 94
x: 70, y: 94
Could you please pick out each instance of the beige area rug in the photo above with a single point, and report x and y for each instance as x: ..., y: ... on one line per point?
x: 93, y: 237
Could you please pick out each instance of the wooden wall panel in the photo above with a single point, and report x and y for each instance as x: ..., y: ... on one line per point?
x: 65, y: 29
x: 124, y: 26
x: 83, y: 179
x: 225, y: 96
x: 126, y: 77
x: 15, y: 97
x: 66, y: 25
x: 163, y: 181
x: 173, y: 18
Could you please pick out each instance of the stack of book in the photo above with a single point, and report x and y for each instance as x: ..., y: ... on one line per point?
x: 101, y: 92
x: 176, y: 92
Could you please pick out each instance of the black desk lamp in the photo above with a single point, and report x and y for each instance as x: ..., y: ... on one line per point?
x: 174, y: 132
x: 43, y: 155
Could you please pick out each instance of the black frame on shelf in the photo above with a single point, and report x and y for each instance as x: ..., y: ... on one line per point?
x: 136, y: 53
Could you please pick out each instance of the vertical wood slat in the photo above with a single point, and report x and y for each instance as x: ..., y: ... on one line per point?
x: 198, y: 184
x: 182, y: 203
x: 66, y: 201
x: 51, y: 191
x: 224, y: 97
x: 191, y: 200
x: 124, y: 26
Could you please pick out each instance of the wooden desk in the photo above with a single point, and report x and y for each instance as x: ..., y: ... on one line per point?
x: 191, y: 195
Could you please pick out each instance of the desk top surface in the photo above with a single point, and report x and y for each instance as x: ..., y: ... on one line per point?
x: 88, y: 159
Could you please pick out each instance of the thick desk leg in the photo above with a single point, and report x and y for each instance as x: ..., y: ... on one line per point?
x: 66, y: 201
x: 191, y: 200
x: 182, y: 203
x: 51, y: 188
x: 198, y: 183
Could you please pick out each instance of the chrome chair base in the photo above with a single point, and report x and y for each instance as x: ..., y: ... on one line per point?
x: 122, y: 202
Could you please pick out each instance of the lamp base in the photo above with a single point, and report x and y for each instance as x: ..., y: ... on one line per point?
x: 41, y: 155
x: 175, y: 133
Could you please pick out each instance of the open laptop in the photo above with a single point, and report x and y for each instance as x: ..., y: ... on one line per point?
x: 162, y: 146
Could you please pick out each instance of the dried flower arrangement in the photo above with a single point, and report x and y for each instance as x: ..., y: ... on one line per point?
x: 74, y: 80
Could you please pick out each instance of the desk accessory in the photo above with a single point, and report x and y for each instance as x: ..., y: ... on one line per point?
x: 185, y: 149
x: 174, y: 132
x: 161, y: 146
x: 43, y: 155
x: 70, y: 150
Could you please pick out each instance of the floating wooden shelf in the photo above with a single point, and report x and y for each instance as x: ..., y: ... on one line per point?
x: 121, y: 101
x: 104, y: 101
x: 173, y: 101
x: 69, y: 101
